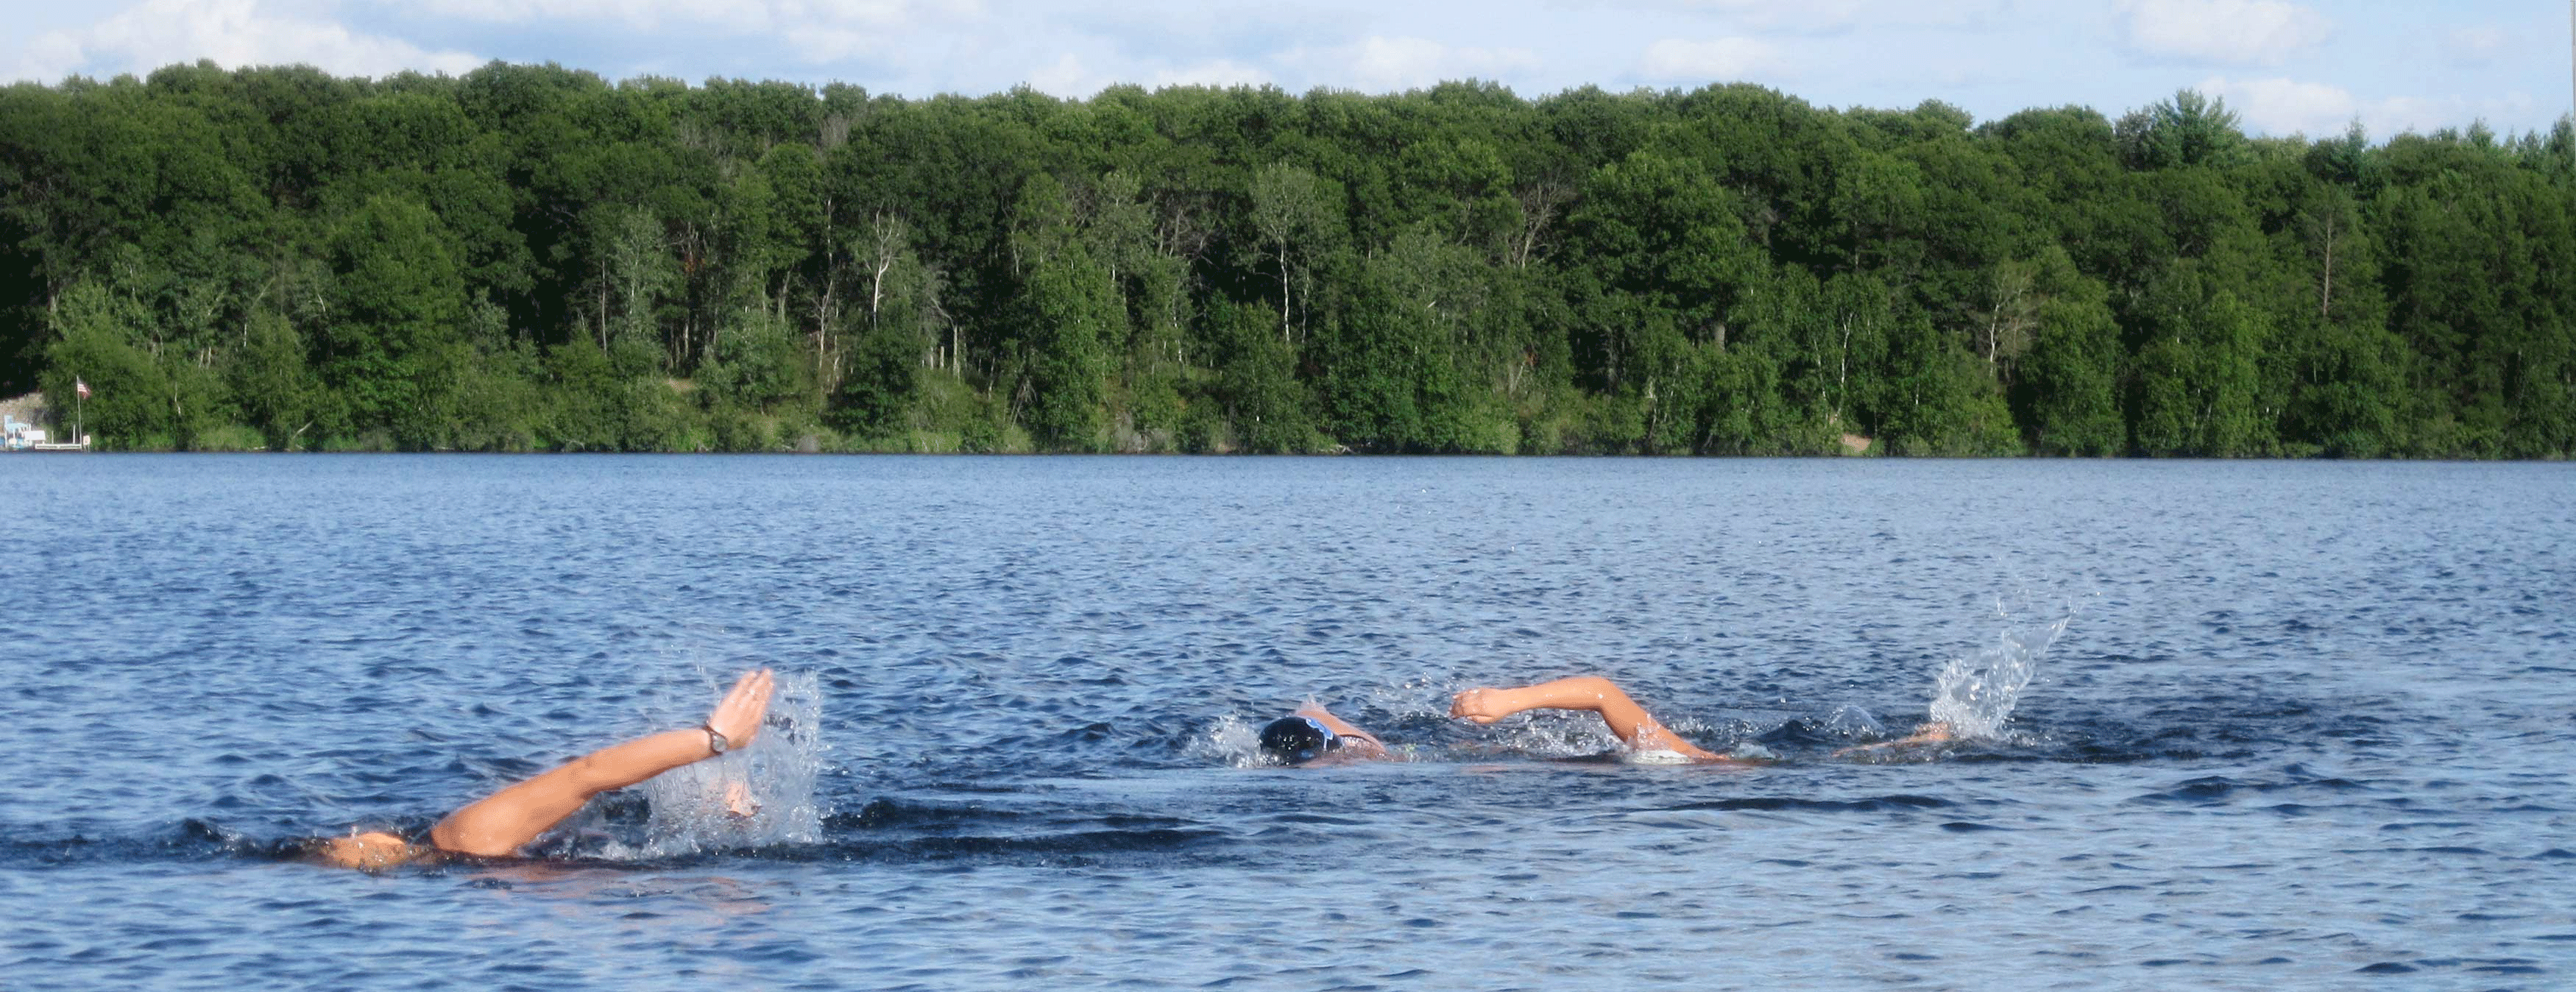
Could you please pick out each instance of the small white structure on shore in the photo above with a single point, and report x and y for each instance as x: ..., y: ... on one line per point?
x: 16, y: 435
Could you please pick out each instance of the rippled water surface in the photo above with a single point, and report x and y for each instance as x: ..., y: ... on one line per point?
x: 2306, y: 726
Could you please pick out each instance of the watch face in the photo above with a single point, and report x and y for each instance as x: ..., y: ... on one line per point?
x: 717, y: 740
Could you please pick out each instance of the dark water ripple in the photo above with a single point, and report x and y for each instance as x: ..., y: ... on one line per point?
x: 2310, y: 726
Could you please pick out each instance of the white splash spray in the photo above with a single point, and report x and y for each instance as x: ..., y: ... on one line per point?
x: 1975, y: 695
x: 1232, y: 741
x: 759, y: 796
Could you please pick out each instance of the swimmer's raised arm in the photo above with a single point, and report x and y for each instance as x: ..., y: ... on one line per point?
x: 1591, y: 693
x: 499, y: 824
x: 1361, y: 743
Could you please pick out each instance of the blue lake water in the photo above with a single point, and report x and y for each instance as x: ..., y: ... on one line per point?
x: 2307, y: 725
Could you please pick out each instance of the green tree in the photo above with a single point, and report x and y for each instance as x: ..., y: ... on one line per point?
x: 1268, y: 406
x: 96, y: 338
x: 639, y: 272
x: 2188, y: 130
x: 1296, y: 218
x: 2198, y: 374
x: 2067, y: 389
x: 399, y: 303
x: 271, y: 381
x: 1074, y: 313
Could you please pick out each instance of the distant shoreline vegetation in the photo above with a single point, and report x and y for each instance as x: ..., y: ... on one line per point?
x: 534, y: 258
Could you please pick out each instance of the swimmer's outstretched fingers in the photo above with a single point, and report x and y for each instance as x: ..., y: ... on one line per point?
x: 738, y: 715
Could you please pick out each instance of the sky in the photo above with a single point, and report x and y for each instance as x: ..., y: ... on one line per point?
x: 2284, y: 66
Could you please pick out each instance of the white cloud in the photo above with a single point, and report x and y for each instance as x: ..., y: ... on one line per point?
x: 1820, y: 16
x: 2283, y: 106
x: 818, y: 45
x: 48, y: 58
x: 1801, y: 15
x: 233, y: 33
x: 1674, y: 60
x: 751, y: 16
x: 814, y: 31
x: 1392, y: 63
x: 1071, y: 78
x: 2229, y: 32
x: 1380, y: 64
x: 2286, y: 106
x: 1066, y: 78
x: 1991, y: 56
x: 2474, y: 46
x: 1221, y: 72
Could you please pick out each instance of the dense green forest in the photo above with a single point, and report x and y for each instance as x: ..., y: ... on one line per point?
x: 534, y: 258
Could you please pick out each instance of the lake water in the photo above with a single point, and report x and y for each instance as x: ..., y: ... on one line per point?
x: 2306, y: 726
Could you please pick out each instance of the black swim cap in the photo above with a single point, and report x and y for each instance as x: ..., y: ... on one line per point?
x: 1296, y: 740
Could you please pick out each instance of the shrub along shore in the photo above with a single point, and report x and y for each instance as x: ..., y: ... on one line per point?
x: 529, y: 257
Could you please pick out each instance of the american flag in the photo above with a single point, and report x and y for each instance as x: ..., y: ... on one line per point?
x: 80, y: 387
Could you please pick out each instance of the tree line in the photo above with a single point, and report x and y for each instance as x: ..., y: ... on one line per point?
x: 529, y: 257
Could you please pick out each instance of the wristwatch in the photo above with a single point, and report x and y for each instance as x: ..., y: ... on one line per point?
x: 716, y: 739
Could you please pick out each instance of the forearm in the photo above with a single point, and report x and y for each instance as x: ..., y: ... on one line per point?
x: 1367, y: 743
x: 1594, y: 694
x: 501, y: 823
x: 1333, y: 723
x: 622, y: 765
x: 1589, y: 693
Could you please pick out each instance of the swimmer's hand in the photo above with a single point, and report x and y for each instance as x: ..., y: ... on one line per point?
x: 374, y: 850
x: 738, y: 802
x: 1930, y: 733
x: 737, y: 715
x: 1481, y: 706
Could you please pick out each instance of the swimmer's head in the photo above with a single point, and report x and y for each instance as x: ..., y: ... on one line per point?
x: 1296, y: 740
x: 374, y: 850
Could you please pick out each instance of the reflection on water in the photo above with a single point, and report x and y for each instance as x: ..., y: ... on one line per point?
x: 2309, y: 722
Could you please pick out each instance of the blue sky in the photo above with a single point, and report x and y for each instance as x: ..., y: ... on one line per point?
x: 2287, y: 66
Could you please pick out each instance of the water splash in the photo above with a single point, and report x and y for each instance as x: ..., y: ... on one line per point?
x: 1975, y: 695
x: 702, y: 806
x: 1850, y: 721
x: 1233, y: 741
x: 1560, y: 734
